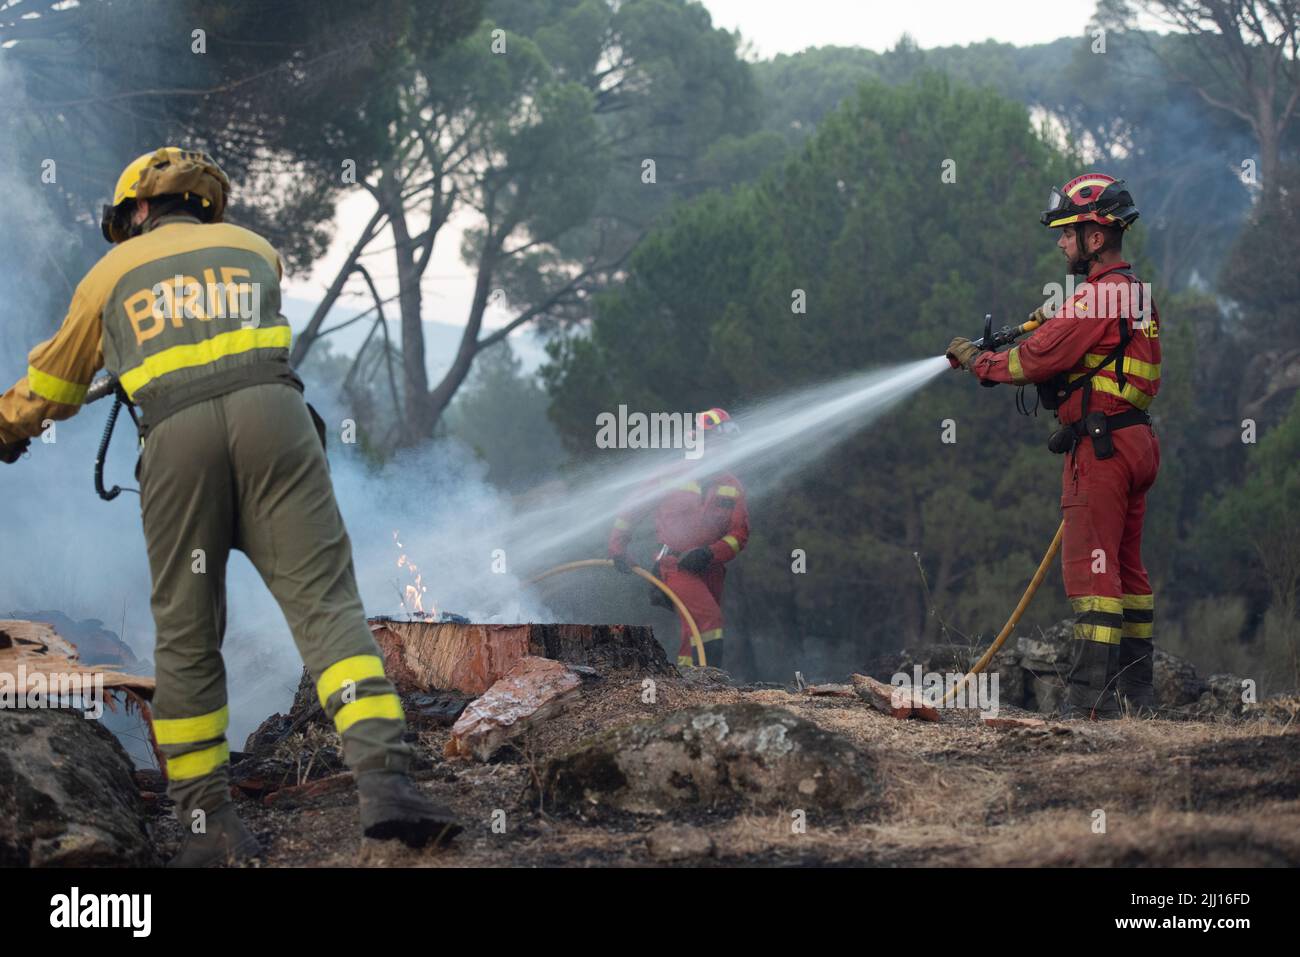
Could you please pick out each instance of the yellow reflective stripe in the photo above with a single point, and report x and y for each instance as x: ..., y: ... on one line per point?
x: 1066, y: 221
x: 347, y: 671
x: 1140, y: 602
x: 620, y: 524
x: 203, y: 727
x: 685, y: 661
x: 1130, y: 394
x: 201, y: 353
x: 197, y: 763
x: 733, y: 542
x: 1137, y: 367
x: 1138, y: 629
x: 712, y: 634
x: 1111, y: 606
x: 1014, y: 367
x: 728, y: 491
x: 387, y: 706
x: 1094, y: 181
x: 1103, y: 633
x: 55, y: 389
x: 690, y: 487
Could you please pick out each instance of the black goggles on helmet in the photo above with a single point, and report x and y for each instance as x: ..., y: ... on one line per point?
x: 1113, y: 199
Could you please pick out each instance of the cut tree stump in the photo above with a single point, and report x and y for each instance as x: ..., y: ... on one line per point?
x: 421, y: 656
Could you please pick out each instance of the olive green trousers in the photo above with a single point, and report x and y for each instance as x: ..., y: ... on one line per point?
x: 247, y: 471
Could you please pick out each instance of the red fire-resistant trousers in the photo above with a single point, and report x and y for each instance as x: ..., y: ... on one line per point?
x: 1103, y: 502
x: 702, y: 596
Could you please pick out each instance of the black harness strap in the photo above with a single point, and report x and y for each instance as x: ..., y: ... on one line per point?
x: 1116, y: 355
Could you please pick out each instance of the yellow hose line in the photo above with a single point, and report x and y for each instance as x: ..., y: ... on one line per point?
x: 672, y: 596
x: 1015, y: 615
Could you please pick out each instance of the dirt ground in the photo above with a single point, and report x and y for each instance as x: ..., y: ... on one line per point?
x: 1124, y: 793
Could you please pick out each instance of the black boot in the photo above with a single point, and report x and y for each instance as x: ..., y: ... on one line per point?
x: 225, y: 840
x: 1090, y: 686
x: 713, y: 652
x: 1136, y: 678
x: 392, y: 807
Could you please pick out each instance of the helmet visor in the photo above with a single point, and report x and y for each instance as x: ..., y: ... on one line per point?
x: 1056, y: 201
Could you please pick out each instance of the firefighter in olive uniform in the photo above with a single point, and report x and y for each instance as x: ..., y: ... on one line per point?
x: 1097, y: 364
x: 185, y: 312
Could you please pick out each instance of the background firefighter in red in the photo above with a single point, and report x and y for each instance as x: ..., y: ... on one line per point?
x: 701, y: 523
x: 1097, y: 362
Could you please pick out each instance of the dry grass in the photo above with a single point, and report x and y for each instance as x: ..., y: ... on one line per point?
x: 953, y: 794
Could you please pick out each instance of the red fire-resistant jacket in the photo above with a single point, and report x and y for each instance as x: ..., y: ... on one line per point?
x: 709, y: 513
x: 1078, y: 338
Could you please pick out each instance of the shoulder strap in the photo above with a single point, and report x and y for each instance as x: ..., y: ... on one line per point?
x: 1115, y: 356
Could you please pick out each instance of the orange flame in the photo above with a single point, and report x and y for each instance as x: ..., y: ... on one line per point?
x: 413, y: 594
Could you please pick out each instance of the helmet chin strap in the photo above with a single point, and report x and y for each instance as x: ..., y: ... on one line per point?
x: 1082, y: 265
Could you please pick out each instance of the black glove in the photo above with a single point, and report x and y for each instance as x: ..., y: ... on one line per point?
x: 621, y: 564
x: 696, y: 560
x: 10, y: 452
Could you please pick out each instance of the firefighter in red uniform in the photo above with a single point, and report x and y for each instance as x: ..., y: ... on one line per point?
x: 700, y: 525
x: 1097, y: 364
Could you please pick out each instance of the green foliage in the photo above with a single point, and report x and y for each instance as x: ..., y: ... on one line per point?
x: 1252, y: 532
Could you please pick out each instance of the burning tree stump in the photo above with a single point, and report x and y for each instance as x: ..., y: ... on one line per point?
x: 419, y: 655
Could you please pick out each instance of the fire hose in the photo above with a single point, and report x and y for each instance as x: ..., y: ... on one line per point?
x: 101, y: 388
x: 1025, y: 599
x: 638, y: 570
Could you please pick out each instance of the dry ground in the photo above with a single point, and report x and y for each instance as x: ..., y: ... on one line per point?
x: 956, y: 794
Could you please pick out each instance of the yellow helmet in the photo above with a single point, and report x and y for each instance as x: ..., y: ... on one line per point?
x: 165, y: 172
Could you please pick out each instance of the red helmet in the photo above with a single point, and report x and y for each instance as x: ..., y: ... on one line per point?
x: 716, y: 420
x: 1090, y: 198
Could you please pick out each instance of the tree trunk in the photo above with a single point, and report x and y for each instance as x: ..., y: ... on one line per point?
x: 417, y: 423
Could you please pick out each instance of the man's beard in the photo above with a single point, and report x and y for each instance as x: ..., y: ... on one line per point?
x: 1080, y: 267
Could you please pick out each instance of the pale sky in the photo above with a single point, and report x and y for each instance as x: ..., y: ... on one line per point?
x: 788, y: 26
x: 769, y: 27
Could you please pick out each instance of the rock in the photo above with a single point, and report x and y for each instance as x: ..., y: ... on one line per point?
x: 533, y: 690
x: 440, y: 710
x: 1221, y: 698
x: 678, y: 842
x: 1048, y: 650
x: 897, y: 702
x: 1045, y: 694
x: 1224, y: 693
x: 831, y: 691
x: 706, y: 677
x: 1176, y: 681
x: 725, y: 758
x: 68, y: 797
x: 1282, y: 708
